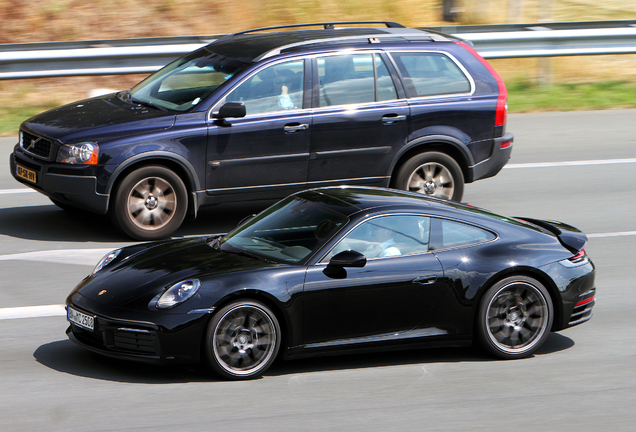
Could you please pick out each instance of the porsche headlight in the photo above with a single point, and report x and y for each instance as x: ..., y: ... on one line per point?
x: 177, y: 293
x: 107, y: 259
x: 83, y: 153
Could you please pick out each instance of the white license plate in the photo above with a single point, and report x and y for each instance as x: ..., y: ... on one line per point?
x: 80, y: 319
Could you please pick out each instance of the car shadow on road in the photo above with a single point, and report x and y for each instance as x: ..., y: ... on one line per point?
x: 50, y: 223
x: 66, y: 357
x: 555, y: 342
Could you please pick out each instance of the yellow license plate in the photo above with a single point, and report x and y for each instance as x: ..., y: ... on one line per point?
x: 26, y: 174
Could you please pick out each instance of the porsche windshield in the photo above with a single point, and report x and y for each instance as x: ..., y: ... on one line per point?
x: 289, y: 231
x: 186, y: 82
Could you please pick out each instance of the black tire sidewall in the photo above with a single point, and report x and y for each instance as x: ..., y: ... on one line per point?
x: 208, y: 347
x: 119, y: 208
x: 441, y: 158
x: 481, y: 324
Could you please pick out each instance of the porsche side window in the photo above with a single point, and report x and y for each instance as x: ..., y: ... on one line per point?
x: 275, y: 88
x: 447, y: 234
x: 430, y: 74
x: 387, y: 236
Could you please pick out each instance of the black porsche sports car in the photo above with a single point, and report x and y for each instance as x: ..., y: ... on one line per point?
x: 336, y: 270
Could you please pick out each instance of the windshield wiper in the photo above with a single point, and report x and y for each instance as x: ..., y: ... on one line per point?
x: 147, y: 103
x: 243, y: 252
x: 215, y: 241
x: 124, y: 95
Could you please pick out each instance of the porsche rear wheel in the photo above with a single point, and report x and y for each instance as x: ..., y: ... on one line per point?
x: 515, y: 317
x: 243, y: 340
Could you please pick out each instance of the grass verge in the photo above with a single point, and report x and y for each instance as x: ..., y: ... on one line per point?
x: 522, y: 97
x: 526, y: 97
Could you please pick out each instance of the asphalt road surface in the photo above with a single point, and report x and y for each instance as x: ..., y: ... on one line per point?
x: 576, y: 167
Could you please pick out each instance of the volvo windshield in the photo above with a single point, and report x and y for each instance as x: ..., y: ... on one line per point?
x: 186, y: 82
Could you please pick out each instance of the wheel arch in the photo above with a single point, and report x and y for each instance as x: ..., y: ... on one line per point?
x: 174, y: 162
x: 439, y: 143
x: 530, y: 272
x: 268, y: 300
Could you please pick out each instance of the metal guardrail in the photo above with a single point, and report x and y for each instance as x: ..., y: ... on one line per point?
x: 126, y: 56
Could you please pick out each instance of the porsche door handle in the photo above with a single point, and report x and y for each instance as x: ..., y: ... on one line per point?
x: 425, y: 280
x: 390, y: 119
x: 291, y: 128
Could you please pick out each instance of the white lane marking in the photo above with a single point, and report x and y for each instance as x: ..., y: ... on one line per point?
x: 570, y: 163
x: 616, y: 234
x: 61, y: 256
x: 16, y: 191
x: 32, y: 312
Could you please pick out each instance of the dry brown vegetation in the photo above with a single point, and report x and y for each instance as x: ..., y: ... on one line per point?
x: 25, y: 21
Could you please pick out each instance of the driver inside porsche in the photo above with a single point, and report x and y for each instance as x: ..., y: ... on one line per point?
x: 384, y: 243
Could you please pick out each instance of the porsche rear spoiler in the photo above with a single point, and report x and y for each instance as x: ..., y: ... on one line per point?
x: 571, y: 238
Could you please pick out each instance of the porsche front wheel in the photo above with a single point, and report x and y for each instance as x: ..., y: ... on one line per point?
x: 242, y: 341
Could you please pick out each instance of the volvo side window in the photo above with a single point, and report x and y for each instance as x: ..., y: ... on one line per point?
x: 275, y: 88
x: 354, y: 79
x: 430, y: 74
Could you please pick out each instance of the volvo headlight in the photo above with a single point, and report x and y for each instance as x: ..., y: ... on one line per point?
x: 107, y: 259
x: 83, y: 153
x: 177, y: 293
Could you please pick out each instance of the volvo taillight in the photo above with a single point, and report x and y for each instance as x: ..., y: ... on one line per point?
x: 501, y: 114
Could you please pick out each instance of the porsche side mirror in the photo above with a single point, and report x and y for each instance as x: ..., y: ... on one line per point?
x: 348, y: 258
x: 231, y: 110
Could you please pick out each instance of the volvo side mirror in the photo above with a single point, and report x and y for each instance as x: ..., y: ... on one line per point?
x: 231, y: 110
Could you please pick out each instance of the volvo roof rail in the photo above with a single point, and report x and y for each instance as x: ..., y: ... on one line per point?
x: 326, y: 25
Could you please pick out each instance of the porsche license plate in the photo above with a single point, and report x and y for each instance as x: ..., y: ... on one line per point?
x: 27, y: 174
x: 80, y: 319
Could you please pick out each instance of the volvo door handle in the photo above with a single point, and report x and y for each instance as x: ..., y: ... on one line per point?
x: 425, y: 280
x: 291, y: 128
x: 389, y: 119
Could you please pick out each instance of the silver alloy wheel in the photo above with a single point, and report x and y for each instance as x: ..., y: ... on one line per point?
x: 151, y: 203
x: 244, y: 340
x: 517, y: 317
x: 433, y: 179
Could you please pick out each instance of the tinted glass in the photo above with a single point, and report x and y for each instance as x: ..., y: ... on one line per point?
x: 289, y: 231
x: 452, y: 234
x: 430, y: 74
x: 346, y: 79
x: 386, y: 88
x: 387, y: 236
x: 275, y: 88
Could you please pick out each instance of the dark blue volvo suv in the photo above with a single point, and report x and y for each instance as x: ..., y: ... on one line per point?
x: 260, y: 114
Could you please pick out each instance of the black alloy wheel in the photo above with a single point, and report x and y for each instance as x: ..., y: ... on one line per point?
x: 243, y: 339
x: 515, y: 317
x: 434, y: 174
x: 150, y: 203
